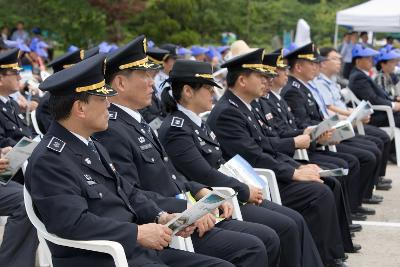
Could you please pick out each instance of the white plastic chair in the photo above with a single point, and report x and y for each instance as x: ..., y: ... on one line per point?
x: 301, y: 154
x: 115, y: 249
x: 272, y: 185
x: 34, y: 123
x: 391, y: 130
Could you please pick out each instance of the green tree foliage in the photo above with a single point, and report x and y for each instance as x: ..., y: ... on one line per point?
x: 186, y: 22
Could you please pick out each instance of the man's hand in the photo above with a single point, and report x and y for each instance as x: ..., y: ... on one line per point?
x: 227, y: 210
x: 154, y: 236
x: 366, y: 119
x: 256, y: 195
x: 396, y: 106
x: 302, y: 141
x: 307, y: 173
x: 308, y: 130
x: 205, y: 224
x: 325, y: 137
x: 3, y: 161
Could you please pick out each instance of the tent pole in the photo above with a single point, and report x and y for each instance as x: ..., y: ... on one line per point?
x: 336, y: 35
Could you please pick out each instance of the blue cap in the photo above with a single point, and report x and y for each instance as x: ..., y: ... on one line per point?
x: 181, y: 51
x: 222, y: 49
x: 387, y: 55
x: 198, y: 50
x: 363, y: 51
x: 72, y: 48
x: 212, y: 52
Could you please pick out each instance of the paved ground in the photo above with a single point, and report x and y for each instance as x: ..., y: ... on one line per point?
x: 380, y: 238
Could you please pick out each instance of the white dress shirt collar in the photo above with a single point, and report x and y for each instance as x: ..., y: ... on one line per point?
x: 192, y: 116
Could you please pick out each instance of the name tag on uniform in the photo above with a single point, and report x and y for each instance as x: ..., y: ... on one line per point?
x: 145, y: 147
x: 21, y: 116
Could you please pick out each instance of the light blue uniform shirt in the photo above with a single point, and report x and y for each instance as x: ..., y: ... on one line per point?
x: 329, y: 91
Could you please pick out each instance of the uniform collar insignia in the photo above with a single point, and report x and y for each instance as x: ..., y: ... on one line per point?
x: 296, y: 84
x: 113, y: 115
x: 177, y: 122
x: 56, y: 144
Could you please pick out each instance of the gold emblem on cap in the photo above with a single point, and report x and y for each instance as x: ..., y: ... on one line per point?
x: 91, y: 87
x: 206, y: 76
x: 104, y: 66
x: 82, y: 54
x: 145, y: 45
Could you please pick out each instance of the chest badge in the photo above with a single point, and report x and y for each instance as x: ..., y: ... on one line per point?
x: 212, y: 135
x: 141, y: 139
x: 21, y: 116
x: 4, y: 109
x: 196, y: 131
x: 88, y: 161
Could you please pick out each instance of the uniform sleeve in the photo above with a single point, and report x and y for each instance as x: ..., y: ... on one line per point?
x: 232, y: 133
x: 122, y: 157
x: 187, y: 159
x: 62, y: 208
x: 325, y: 92
x: 363, y: 89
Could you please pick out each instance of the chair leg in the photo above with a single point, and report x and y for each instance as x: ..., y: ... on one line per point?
x: 397, y: 145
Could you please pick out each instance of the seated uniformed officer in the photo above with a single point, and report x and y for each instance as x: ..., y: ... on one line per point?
x: 141, y: 159
x: 271, y: 113
x: 13, y: 125
x: 195, y: 151
x: 43, y: 115
x: 307, y: 112
x: 76, y: 190
x: 237, y: 130
x: 18, y: 248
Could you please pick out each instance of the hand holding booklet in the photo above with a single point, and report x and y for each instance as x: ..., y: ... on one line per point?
x: 205, y: 205
x: 17, y: 156
x: 342, y: 130
x: 363, y: 110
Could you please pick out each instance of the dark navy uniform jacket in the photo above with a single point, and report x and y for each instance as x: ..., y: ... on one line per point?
x: 366, y: 89
x: 13, y: 126
x: 301, y: 101
x: 43, y: 116
x: 282, y: 116
x: 143, y: 161
x: 196, y: 153
x: 239, y: 133
x: 284, y: 145
x: 79, y: 197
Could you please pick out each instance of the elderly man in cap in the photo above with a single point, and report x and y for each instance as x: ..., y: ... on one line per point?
x: 77, y: 191
x: 20, y: 242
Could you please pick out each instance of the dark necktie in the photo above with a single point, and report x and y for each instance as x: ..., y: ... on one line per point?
x: 204, y: 128
x: 147, y: 128
x: 10, y: 106
x: 92, y: 147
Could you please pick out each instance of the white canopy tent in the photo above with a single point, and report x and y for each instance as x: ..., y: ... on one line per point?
x: 374, y: 16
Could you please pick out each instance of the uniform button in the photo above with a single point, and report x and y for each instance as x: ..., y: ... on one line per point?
x: 259, y: 138
x: 209, y: 150
x: 20, y: 129
x: 14, y: 127
x: 166, y: 159
x: 101, y: 195
x: 216, y: 148
x: 152, y: 159
x: 173, y: 176
x: 118, y: 188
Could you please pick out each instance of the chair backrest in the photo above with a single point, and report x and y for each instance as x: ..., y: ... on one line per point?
x: 273, y: 188
x: 349, y: 96
x: 35, y: 123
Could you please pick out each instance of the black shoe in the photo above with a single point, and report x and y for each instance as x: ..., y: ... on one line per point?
x: 373, y: 200
x: 385, y: 181
x: 336, y: 263
x: 352, y: 235
x: 356, y: 248
x: 393, y: 158
x: 355, y: 228
x: 366, y: 211
x: 358, y: 217
x: 346, y: 257
x: 384, y: 187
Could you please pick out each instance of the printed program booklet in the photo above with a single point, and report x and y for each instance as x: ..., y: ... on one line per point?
x: 343, y: 130
x: 205, y: 205
x: 17, y: 156
x: 363, y: 110
x: 334, y: 172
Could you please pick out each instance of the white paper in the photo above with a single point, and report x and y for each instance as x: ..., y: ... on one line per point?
x: 324, y: 126
x: 17, y: 156
x: 205, y: 205
x: 334, y: 172
x: 363, y: 110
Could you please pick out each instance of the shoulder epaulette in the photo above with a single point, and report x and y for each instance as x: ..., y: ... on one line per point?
x: 177, y: 122
x: 56, y: 144
x: 233, y: 103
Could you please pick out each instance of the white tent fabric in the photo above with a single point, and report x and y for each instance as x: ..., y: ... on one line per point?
x: 303, y: 35
x: 374, y: 15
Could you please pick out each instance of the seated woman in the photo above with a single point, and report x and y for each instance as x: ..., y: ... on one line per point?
x: 386, y: 78
x: 195, y: 151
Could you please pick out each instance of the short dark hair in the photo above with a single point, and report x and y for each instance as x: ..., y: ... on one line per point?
x: 111, y: 77
x: 232, y: 76
x: 363, y: 33
x: 169, y: 101
x: 61, y: 105
x: 324, y: 51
